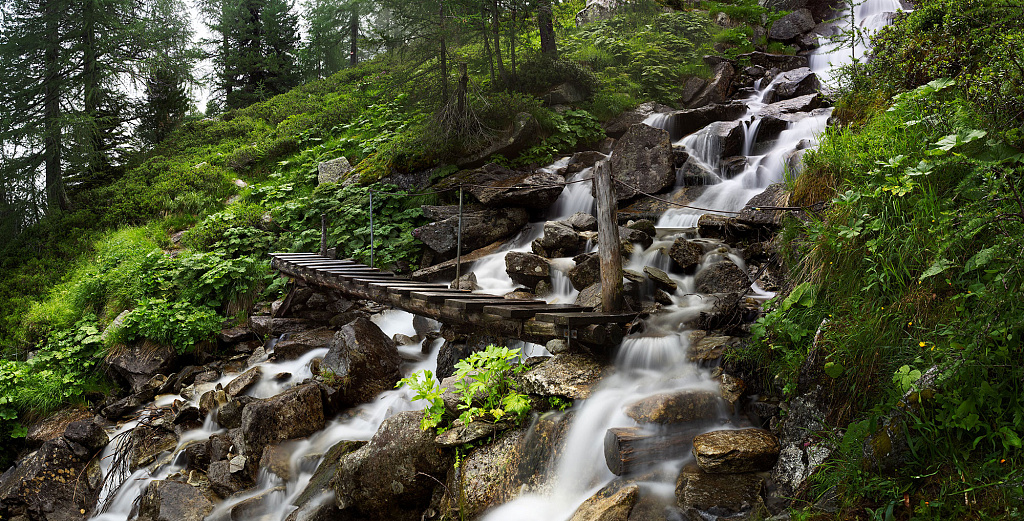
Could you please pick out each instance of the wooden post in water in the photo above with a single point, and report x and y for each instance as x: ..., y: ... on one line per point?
x: 608, y: 239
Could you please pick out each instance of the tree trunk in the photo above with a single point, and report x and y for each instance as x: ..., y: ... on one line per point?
x: 487, y: 39
x: 496, y: 32
x: 608, y: 239
x: 630, y: 449
x: 443, y: 57
x: 56, y: 197
x: 91, y: 88
x: 512, y: 46
x: 463, y: 88
x: 548, y: 47
x: 353, y: 28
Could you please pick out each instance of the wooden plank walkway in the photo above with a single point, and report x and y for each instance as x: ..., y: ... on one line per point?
x: 526, y: 319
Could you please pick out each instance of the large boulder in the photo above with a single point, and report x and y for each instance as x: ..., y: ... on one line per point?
x: 783, y: 62
x: 498, y: 187
x: 791, y: 84
x: 775, y: 195
x: 618, y: 126
x: 723, y: 494
x: 559, y: 240
x: 596, y: 10
x: 333, y: 170
x: 799, y: 104
x: 320, y: 483
x: 569, y: 375
x: 482, y: 479
x: 685, y: 253
x: 295, y: 413
x: 479, y: 228
x: 676, y: 407
x: 166, y: 500
x: 243, y: 382
x: 60, y: 481
x: 722, y: 277
x: 792, y: 25
x: 612, y: 503
x: 682, y: 123
x: 730, y: 452
x: 393, y: 477
x: 527, y: 269
x: 587, y: 271
x: 302, y: 342
x: 716, y: 90
x: 364, y: 361
x: 643, y: 159
x: 582, y: 222
x: 136, y: 364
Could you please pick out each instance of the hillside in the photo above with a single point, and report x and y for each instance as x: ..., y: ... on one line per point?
x: 885, y: 361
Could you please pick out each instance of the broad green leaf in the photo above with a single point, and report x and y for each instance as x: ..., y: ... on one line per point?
x: 980, y: 259
x: 940, y: 265
x: 941, y: 83
x: 834, y: 370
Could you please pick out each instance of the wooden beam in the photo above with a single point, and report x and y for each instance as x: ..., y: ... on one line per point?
x: 521, y: 311
x: 585, y: 319
x: 608, y: 239
x: 477, y: 305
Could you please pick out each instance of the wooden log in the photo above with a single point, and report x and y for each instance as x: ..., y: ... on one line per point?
x: 437, y: 297
x: 522, y: 311
x: 584, y: 319
x: 608, y: 239
x: 629, y: 449
x: 477, y: 305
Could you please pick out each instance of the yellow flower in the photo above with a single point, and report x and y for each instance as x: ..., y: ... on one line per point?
x: 922, y: 344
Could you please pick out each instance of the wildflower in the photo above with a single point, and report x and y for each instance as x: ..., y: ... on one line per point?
x: 922, y: 344
x: 910, y: 323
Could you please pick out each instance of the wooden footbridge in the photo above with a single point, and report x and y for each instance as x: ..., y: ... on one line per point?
x: 530, y: 320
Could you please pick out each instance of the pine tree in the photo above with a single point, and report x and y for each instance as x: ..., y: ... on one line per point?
x: 169, y: 63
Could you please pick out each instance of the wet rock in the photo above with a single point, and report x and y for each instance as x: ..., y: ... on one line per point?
x: 595, y: 10
x: 243, y: 382
x: 526, y: 268
x: 570, y: 376
x: 783, y: 62
x: 792, y: 25
x: 586, y: 272
x: 633, y: 276
x: 479, y: 228
x: 136, y: 364
x: 800, y: 435
x: 58, y: 482
x: 266, y: 326
x: 798, y: 104
x: 610, y: 504
x: 729, y: 452
x: 394, y: 475
x: 685, y: 253
x: 691, y: 87
x: 730, y: 137
x: 276, y: 459
x: 682, y: 123
x: 466, y: 282
x: 582, y: 222
x: 731, y: 389
x: 720, y: 494
x: 643, y: 225
x: 590, y: 297
x: 302, y: 342
x: 320, y: 482
x: 583, y: 160
x: 498, y: 187
x: 166, y: 500
x: 223, y: 482
x: 485, y: 478
x: 461, y: 434
x: 708, y: 349
x: 333, y: 170
x: 642, y: 159
x: 149, y: 442
x: 364, y: 360
x: 235, y: 335
x: 717, y: 89
x: 630, y: 236
x: 295, y: 413
x: 722, y: 277
x: 446, y: 269
x: 660, y: 278
x: 559, y: 240
x: 619, y: 125
x: 775, y: 195
x: 211, y: 400
x: 791, y: 84
x: 676, y: 407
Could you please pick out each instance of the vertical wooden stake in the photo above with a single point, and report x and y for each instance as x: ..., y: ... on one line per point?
x: 608, y: 239
x: 323, y: 235
x: 371, y: 228
x: 458, y: 245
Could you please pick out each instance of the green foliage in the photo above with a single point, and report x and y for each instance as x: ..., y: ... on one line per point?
x: 567, y: 132
x: 181, y: 325
x: 484, y: 387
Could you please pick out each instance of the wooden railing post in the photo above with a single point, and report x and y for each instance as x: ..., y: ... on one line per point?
x: 608, y: 239
x: 371, y: 228
x: 458, y: 244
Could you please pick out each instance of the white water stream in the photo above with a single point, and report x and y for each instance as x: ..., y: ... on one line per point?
x: 650, y: 362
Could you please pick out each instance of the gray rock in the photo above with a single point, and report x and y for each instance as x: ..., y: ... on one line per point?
x: 479, y: 228
x: 461, y: 434
x: 730, y: 452
x: 792, y: 25
x: 619, y: 125
x: 582, y: 222
x: 225, y: 483
x: 295, y: 413
x: 768, y: 128
x: 88, y: 434
x: 686, y: 254
x: 570, y: 376
x: 610, y: 504
x: 58, y: 482
x: 136, y: 364
x: 717, y: 89
x: 791, y: 84
x: 643, y: 160
x: 643, y: 225
x: 691, y: 88
x: 333, y: 171
x: 582, y: 160
x: 320, y: 481
x: 302, y: 342
x: 266, y: 326
x: 587, y: 271
x: 564, y: 94
x: 364, y: 360
x: 527, y: 269
x: 590, y: 297
x: 559, y: 240
x: 695, y: 173
x: 631, y: 236
x: 799, y: 436
x: 499, y: 187
x: 722, y: 277
x: 724, y: 494
x: 660, y: 278
x: 485, y: 478
x: 596, y: 10
x: 775, y: 195
x: 783, y: 62
x: 166, y: 500
x: 393, y: 476
x: 676, y: 407
x: 243, y: 382
x: 229, y: 415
